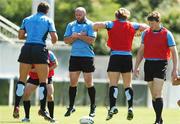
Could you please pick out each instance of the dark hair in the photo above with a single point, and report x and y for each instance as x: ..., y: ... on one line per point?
x: 43, y: 7
x: 154, y: 16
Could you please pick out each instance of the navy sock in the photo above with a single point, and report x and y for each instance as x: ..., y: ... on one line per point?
x: 51, y: 108
x: 27, y: 106
x: 43, y: 95
x: 113, y: 92
x: 92, y: 93
x: 159, y: 108
x: 129, y: 96
x: 72, y: 95
x: 19, y: 91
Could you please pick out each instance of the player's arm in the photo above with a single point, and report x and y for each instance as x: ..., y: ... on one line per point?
x: 172, y: 46
x: 69, y: 36
x: 99, y: 25
x: 54, y: 37
x: 21, y: 34
x: 71, y: 39
x: 139, y: 58
x: 55, y: 64
x: 142, y: 27
x: 52, y: 32
x: 88, y: 36
x: 174, y: 54
x: 22, y: 31
x: 88, y: 39
x: 139, y: 27
x: 53, y: 60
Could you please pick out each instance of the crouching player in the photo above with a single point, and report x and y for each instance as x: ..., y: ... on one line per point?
x: 33, y: 83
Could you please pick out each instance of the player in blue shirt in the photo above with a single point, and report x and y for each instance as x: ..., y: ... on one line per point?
x: 34, y: 52
x: 81, y: 36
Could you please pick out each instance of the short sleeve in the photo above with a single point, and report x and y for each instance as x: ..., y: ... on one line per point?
x: 171, y: 41
x: 68, y: 31
x: 90, y: 31
x: 109, y: 24
x: 135, y: 25
x: 23, y: 25
x: 51, y: 26
x: 142, y: 37
x: 52, y: 57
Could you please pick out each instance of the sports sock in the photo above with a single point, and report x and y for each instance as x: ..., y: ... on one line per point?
x: 113, y: 92
x: 51, y: 108
x: 92, y: 93
x: 129, y: 96
x: 19, y: 91
x: 72, y: 95
x: 42, y: 95
x: 27, y: 106
x: 159, y: 108
x: 153, y: 104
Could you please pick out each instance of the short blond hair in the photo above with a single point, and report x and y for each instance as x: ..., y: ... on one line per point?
x: 122, y: 13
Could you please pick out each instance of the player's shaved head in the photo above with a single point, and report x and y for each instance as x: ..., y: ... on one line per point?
x: 81, y: 9
x: 80, y: 14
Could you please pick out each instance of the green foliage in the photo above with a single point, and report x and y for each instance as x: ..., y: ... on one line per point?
x: 15, y: 10
x: 154, y: 3
x: 124, y: 2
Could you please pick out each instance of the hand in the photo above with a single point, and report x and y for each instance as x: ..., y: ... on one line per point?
x: 83, y: 33
x: 174, y: 75
x: 176, y: 81
x: 138, y: 33
x: 136, y: 72
x: 75, y: 35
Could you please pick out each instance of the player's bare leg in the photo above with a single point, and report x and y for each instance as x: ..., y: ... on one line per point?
x: 20, y: 85
x: 42, y: 71
x: 74, y: 76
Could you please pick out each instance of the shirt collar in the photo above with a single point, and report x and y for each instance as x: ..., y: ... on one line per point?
x: 84, y: 22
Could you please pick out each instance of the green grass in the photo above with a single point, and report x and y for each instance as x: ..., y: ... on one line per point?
x: 142, y: 116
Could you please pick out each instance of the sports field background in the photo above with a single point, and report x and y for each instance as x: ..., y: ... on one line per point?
x: 142, y: 116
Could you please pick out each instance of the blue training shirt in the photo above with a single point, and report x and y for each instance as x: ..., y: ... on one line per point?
x: 79, y: 47
x: 37, y: 27
x: 52, y: 57
x: 170, y: 41
x: 110, y: 24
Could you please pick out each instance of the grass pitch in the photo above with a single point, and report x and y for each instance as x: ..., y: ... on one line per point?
x: 141, y: 116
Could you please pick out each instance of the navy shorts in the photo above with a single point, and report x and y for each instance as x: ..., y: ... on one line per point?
x: 120, y: 63
x: 33, y: 54
x: 84, y: 64
x: 36, y: 81
x: 155, y: 69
